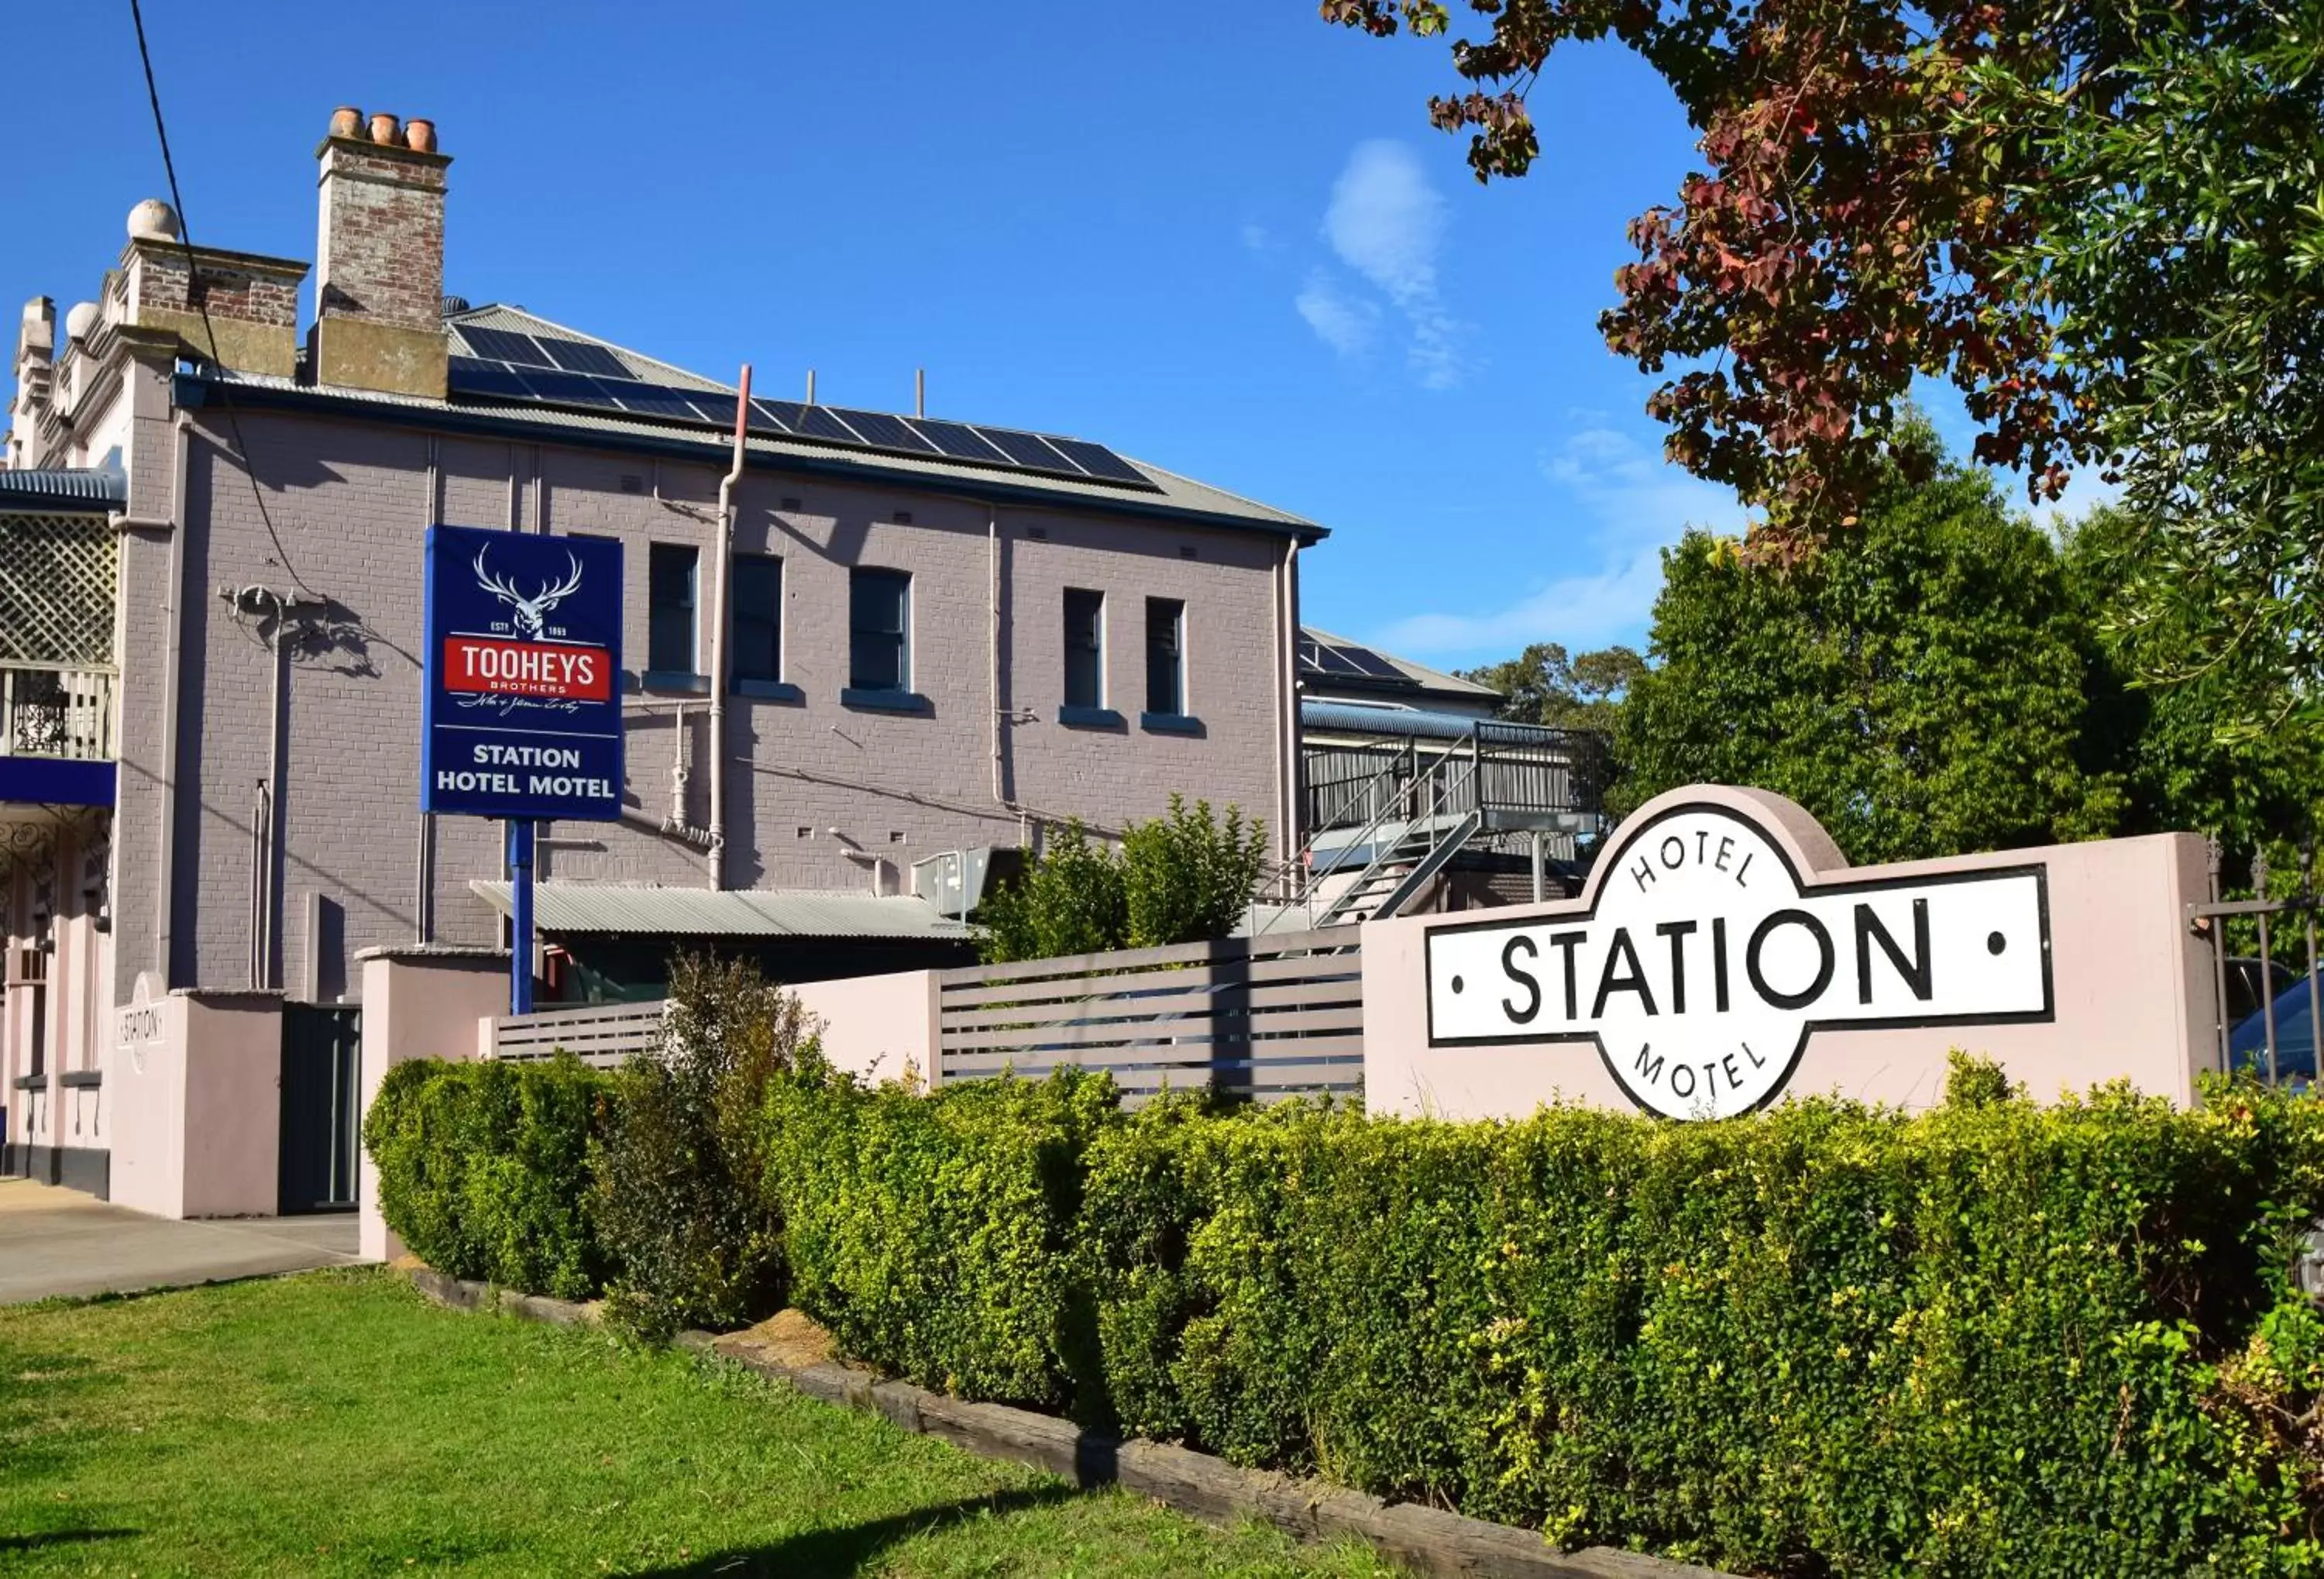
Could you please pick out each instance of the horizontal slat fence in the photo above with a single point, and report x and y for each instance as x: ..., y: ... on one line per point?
x: 1260, y: 1017
x: 604, y: 1034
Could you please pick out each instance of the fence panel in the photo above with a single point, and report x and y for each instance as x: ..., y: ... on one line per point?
x: 604, y: 1034
x: 1260, y: 1017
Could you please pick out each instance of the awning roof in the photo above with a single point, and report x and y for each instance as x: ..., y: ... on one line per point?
x: 63, y: 488
x: 1330, y: 717
x: 701, y: 912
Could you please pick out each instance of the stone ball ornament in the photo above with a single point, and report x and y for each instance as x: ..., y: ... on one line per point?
x: 1704, y: 960
x: 152, y: 220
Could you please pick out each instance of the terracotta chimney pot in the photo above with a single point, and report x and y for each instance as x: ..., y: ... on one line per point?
x: 382, y: 129
x: 347, y: 121
x: 419, y: 136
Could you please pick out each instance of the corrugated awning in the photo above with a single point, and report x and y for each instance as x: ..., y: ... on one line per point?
x: 701, y: 912
x: 63, y: 488
x: 1355, y: 718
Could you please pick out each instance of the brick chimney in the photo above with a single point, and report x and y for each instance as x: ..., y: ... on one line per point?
x: 250, y: 301
x: 379, y: 268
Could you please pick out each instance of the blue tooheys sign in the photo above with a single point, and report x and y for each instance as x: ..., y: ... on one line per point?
x: 523, y: 676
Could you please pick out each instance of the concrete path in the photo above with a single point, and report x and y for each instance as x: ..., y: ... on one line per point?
x: 56, y: 1241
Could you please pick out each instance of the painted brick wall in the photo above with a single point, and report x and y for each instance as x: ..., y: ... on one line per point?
x: 349, y: 503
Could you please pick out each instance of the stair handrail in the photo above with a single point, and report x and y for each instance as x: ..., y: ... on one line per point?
x: 1304, y: 896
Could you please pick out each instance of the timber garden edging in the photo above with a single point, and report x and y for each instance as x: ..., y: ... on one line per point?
x: 1428, y: 1540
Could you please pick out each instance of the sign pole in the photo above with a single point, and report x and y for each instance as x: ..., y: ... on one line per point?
x: 519, y: 860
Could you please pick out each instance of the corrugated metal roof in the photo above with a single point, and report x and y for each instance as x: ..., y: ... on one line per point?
x: 701, y: 912
x: 1417, y: 722
x: 1178, y: 496
x: 54, y: 487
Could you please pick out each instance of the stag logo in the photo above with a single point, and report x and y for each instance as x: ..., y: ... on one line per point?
x: 528, y: 611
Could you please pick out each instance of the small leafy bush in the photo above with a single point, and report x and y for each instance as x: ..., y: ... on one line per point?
x: 933, y: 1235
x: 484, y: 1169
x: 1184, y: 877
x: 678, y: 1190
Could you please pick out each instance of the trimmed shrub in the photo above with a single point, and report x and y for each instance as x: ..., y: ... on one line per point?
x: 484, y: 1169
x: 1993, y: 1338
x: 678, y: 1193
x: 933, y: 1234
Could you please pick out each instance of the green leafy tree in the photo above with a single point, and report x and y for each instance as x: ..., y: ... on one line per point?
x: 1543, y: 685
x: 1072, y: 900
x: 1925, y: 686
x: 2103, y: 222
x: 1188, y: 875
x: 1184, y: 877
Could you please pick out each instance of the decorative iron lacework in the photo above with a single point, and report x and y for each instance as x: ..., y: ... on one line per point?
x: 56, y: 577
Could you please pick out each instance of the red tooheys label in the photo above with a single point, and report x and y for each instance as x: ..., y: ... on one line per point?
x: 526, y: 669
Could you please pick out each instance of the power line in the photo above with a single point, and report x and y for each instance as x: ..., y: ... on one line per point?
x: 201, y: 305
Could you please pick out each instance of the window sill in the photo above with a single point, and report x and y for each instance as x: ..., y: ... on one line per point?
x: 674, y: 679
x: 1170, y: 724
x: 1092, y: 718
x: 771, y: 690
x: 81, y: 1077
x: 885, y: 701
x: 30, y: 1082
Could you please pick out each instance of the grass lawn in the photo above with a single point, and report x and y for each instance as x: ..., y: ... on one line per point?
x: 335, y: 1423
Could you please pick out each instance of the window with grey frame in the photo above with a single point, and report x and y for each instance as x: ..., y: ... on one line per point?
x: 1166, y: 656
x: 880, y: 630
x: 758, y: 646
x: 672, y: 570
x: 1084, y: 649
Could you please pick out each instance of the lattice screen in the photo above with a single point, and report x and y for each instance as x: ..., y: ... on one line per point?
x: 57, y: 576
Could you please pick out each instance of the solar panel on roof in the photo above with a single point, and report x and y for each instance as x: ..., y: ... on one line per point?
x: 567, y: 389
x: 714, y: 404
x: 506, y: 345
x: 1368, y: 661
x: 822, y: 422
x: 957, y: 440
x: 1026, y: 449
x: 493, y: 379
x: 1099, y: 461
x: 580, y: 356
x: 884, y: 431
x: 1332, y: 660
x: 654, y: 400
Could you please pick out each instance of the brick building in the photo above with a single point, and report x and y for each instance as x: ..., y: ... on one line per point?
x: 941, y: 638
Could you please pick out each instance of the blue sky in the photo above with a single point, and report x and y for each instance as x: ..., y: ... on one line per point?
x: 1237, y: 251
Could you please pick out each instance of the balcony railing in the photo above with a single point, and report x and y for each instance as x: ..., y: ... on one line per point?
x: 47, y: 711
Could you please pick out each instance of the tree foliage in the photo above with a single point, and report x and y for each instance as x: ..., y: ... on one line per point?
x: 1543, y: 685
x: 2103, y: 222
x: 1927, y: 685
x: 1184, y: 877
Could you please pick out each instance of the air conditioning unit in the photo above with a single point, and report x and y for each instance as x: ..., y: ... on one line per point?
x: 957, y: 881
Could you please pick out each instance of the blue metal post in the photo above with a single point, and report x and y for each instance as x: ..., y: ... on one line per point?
x: 519, y: 860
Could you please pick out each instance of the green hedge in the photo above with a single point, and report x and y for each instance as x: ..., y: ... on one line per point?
x: 933, y: 1235
x: 485, y: 1169
x: 1983, y: 1340
x: 1993, y: 1338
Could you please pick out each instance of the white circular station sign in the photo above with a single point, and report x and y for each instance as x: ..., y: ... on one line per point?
x: 1706, y: 961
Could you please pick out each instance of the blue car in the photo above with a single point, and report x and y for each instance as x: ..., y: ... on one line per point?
x: 2295, y: 1036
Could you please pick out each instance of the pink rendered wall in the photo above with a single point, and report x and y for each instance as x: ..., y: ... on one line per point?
x: 195, y: 1111
x: 417, y: 1005
x: 2131, y: 994
x: 877, y: 1027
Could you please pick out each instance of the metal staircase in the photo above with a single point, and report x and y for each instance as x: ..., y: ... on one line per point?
x: 1375, y: 844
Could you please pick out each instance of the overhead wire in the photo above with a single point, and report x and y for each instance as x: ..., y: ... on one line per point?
x: 202, y: 306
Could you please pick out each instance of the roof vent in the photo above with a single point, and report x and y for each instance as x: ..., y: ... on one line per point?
x: 454, y: 305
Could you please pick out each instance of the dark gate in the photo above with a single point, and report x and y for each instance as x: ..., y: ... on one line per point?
x: 322, y: 1047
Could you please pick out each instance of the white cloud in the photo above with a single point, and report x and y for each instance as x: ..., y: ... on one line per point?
x: 1257, y: 239
x: 1346, y: 323
x: 1630, y: 504
x: 1387, y: 224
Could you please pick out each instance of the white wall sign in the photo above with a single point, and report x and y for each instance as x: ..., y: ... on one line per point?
x: 137, y: 1028
x: 1707, y: 960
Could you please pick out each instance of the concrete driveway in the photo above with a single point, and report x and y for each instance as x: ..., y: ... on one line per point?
x: 56, y: 1241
